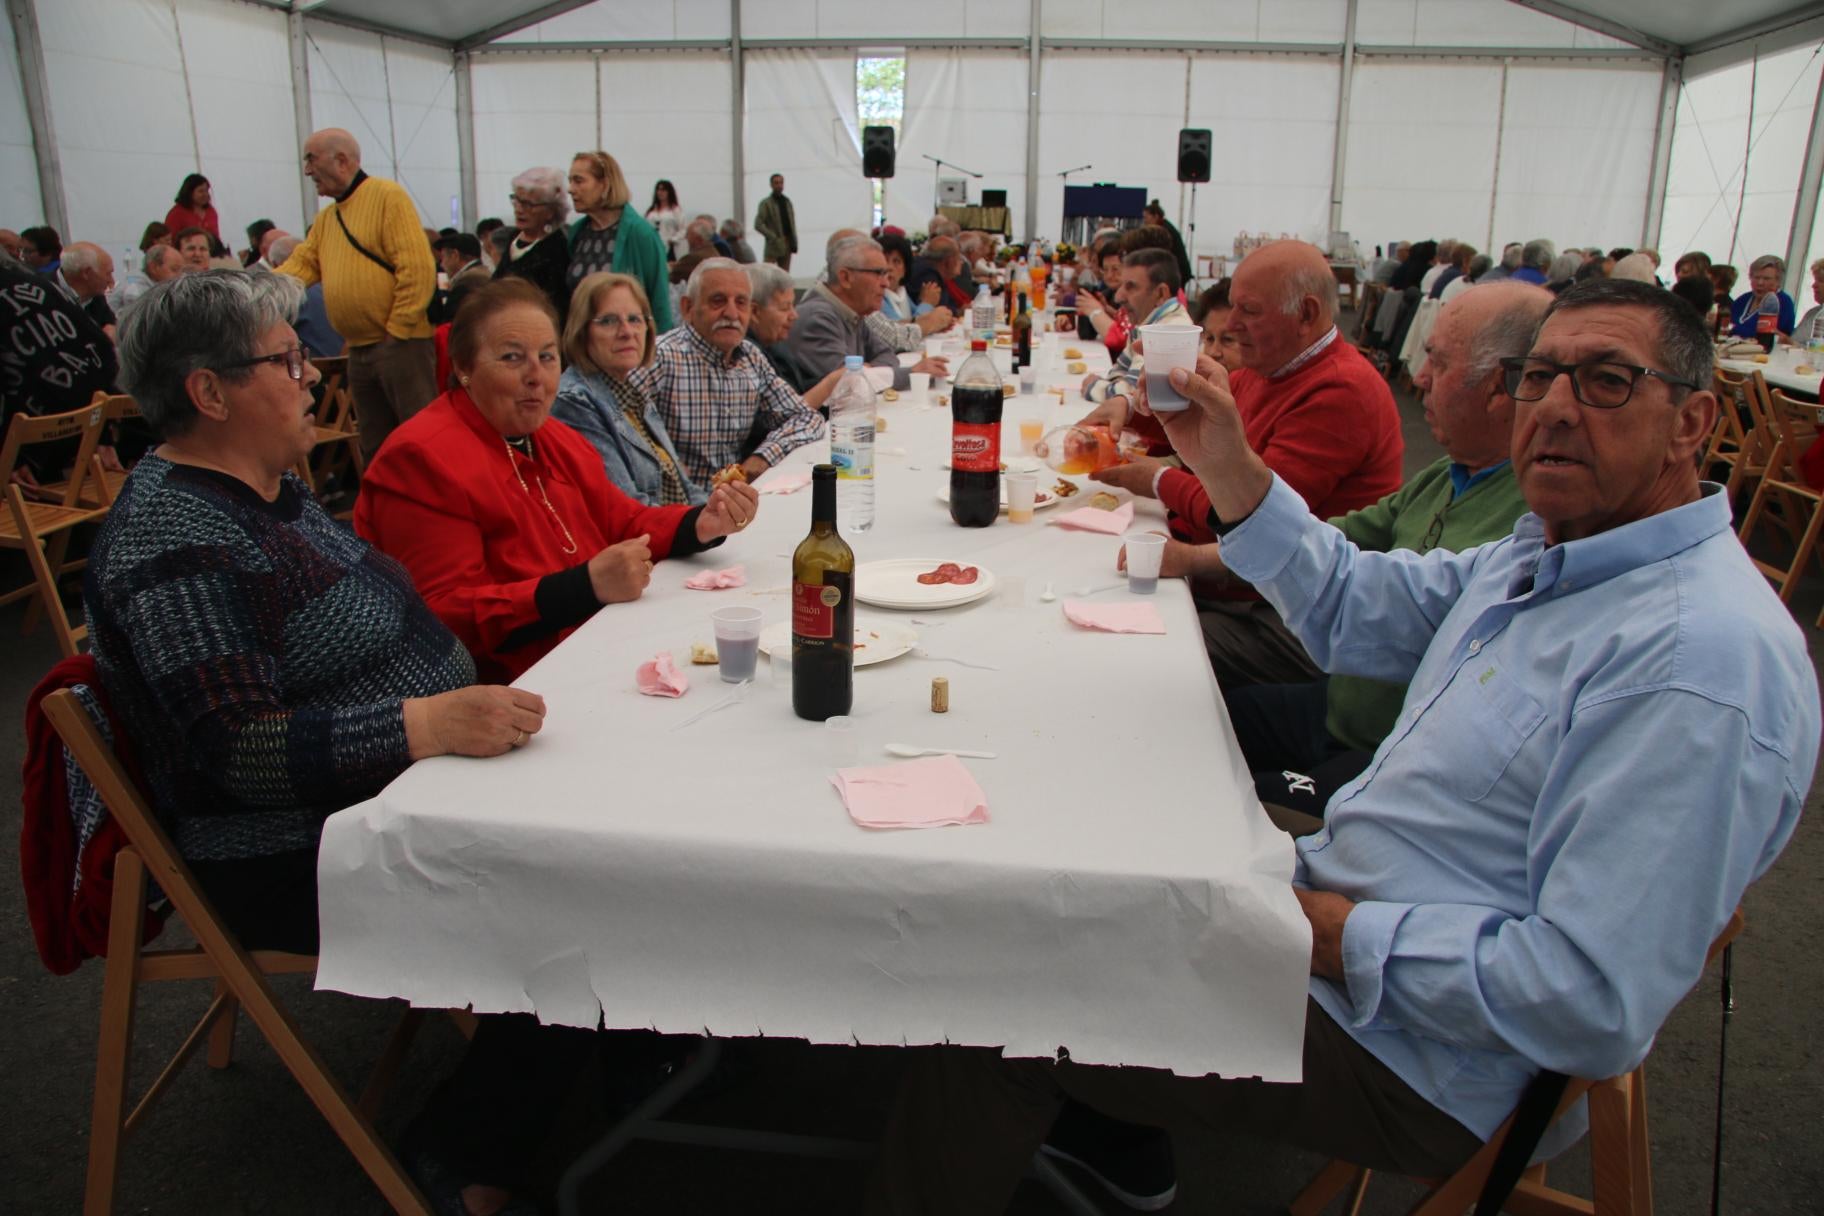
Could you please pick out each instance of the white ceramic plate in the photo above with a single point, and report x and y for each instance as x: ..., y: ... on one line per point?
x: 876, y: 639
x: 1046, y: 497
x: 894, y: 584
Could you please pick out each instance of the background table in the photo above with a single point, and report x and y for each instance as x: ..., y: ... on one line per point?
x: 1128, y: 899
x: 1781, y: 378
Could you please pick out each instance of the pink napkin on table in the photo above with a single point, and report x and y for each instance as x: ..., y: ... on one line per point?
x: 660, y: 677
x: 782, y: 483
x: 718, y: 580
x: 933, y: 792
x: 1114, y: 618
x: 1094, y: 519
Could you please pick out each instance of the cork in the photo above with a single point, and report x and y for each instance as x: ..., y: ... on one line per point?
x: 940, y: 695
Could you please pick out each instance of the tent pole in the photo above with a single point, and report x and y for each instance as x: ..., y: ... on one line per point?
x: 465, y: 141
x: 1671, y: 85
x: 737, y: 67
x: 300, y: 110
x: 1805, y: 210
x: 1341, y: 158
x: 1030, y: 227
x: 38, y: 112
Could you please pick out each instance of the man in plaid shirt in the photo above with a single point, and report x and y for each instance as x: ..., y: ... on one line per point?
x: 716, y: 392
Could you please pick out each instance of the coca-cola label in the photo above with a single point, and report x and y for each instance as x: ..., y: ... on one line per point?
x: 814, y: 610
x: 975, y: 447
x: 1767, y: 323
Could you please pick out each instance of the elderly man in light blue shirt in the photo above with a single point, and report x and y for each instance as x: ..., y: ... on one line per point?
x: 1610, y: 730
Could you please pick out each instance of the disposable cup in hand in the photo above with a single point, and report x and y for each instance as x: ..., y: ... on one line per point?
x: 1167, y: 347
x: 921, y: 382
x: 1145, y: 552
x: 1022, y: 489
x: 737, y: 642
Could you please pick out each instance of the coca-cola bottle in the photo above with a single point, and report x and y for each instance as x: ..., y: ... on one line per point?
x: 975, y: 440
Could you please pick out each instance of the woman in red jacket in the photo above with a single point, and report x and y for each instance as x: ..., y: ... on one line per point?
x: 194, y: 209
x: 504, y: 516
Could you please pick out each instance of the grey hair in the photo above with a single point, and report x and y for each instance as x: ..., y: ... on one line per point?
x: 79, y: 258
x: 279, y: 250
x: 943, y: 225
x: 1684, y: 346
x: 193, y: 323
x: 702, y: 228
x: 846, y: 254
x: 1766, y: 260
x: 1564, y: 266
x: 1636, y: 266
x: 1538, y: 254
x: 1302, y: 281
x: 156, y: 255
x: 766, y: 280
x: 733, y: 229
x: 1508, y: 331
x: 1479, y: 265
x: 707, y: 266
x: 542, y: 179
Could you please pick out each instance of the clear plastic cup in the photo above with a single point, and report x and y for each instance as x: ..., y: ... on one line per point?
x: 839, y: 738
x: 737, y: 642
x: 1022, y: 490
x: 1167, y: 347
x: 1029, y: 378
x: 1145, y: 552
x: 921, y: 382
x: 1031, y: 429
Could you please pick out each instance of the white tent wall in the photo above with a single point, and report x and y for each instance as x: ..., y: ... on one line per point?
x: 21, y: 204
x: 801, y: 122
x: 1119, y: 112
x: 1467, y: 23
x: 884, y: 20
x: 617, y: 20
x: 398, y: 98
x: 529, y: 111
x: 967, y: 107
x: 655, y: 104
x: 1319, y: 21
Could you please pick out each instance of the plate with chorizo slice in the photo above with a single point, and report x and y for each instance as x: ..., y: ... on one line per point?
x: 922, y: 583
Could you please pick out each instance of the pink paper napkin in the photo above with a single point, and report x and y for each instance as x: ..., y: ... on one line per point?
x: 936, y: 791
x: 660, y: 677
x: 782, y: 483
x: 718, y: 580
x: 1114, y: 618
x: 1094, y: 519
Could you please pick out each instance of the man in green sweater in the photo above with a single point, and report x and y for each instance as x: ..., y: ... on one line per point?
x: 1303, y: 741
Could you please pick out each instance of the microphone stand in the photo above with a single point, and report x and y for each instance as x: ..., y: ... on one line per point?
x: 938, y: 173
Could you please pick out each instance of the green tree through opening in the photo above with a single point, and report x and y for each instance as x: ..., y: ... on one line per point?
x: 880, y: 101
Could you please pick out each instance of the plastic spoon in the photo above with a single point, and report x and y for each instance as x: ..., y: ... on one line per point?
x: 906, y: 750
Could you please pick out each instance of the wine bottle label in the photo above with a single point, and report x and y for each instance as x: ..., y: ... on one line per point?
x: 975, y: 447
x: 814, y: 610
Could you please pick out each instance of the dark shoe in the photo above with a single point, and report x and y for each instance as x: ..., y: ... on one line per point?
x: 440, y: 1179
x: 1133, y: 1163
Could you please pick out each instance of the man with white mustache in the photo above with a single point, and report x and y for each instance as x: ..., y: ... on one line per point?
x: 716, y: 392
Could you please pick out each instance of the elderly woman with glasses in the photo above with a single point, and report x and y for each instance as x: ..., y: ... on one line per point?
x: 607, y: 337
x: 540, y: 252
x: 503, y: 515
x: 1764, y: 277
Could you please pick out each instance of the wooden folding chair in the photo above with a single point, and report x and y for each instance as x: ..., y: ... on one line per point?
x: 239, y: 977
x: 42, y: 529
x: 1348, y: 287
x: 338, y: 444
x: 103, y: 486
x: 1741, y: 439
x: 1794, y: 425
x: 1621, y: 1166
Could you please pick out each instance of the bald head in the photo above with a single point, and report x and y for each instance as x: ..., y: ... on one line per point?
x: 1284, y: 298
x: 331, y: 160
x: 1466, y: 401
x: 9, y: 241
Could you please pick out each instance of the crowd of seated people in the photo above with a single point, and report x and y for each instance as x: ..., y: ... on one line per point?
x: 545, y: 405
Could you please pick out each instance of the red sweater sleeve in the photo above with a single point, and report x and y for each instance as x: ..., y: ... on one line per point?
x: 618, y: 516
x: 1185, y: 497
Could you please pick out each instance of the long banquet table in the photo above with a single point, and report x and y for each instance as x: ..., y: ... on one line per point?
x: 1127, y: 901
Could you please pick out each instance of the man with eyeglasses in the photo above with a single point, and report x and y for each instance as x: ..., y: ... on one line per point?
x: 1610, y: 732
x: 368, y: 250
x: 832, y: 317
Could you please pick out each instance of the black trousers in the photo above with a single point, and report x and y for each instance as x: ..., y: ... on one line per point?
x: 1295, y: 760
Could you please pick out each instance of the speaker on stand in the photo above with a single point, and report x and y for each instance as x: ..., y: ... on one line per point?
x: 1193, y: 167
x: 877, y: 157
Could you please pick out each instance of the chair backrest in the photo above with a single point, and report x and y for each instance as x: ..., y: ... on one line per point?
x: 1731, y: 395
x: 120, y: 406
x: 1795, y: 426
x: 117, y: 790
x: 83, y: 423
x: 338, y: 402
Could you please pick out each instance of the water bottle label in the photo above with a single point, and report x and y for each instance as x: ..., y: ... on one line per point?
x: 975, y: 447
x: 854, y: 459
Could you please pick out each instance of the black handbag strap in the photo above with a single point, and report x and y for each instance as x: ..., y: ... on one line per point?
x: 1534, y: 1114
x: 361, y: 249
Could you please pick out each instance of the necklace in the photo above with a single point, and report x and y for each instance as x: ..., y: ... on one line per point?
x: 569, y: 540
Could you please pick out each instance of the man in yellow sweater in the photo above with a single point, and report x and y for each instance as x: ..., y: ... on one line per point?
x: 368, y: 250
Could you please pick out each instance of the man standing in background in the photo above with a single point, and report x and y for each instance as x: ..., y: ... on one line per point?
x: 776, y: 222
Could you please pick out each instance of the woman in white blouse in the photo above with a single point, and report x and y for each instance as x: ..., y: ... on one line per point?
x: 668, y: 217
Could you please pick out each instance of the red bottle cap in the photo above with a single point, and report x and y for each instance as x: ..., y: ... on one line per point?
x: 978, y: 344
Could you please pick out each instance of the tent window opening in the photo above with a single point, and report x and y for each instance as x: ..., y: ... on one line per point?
x: 880, y: 101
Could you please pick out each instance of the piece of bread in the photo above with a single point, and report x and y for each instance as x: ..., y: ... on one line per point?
x: 1071, y: 352
x: 1102, y: 500
x: 1076, y: 369
x: 733, y: 472
x: 891, y: 394
x: 701, y: 655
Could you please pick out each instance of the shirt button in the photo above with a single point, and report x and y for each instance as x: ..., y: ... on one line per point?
x: 1475, y: 646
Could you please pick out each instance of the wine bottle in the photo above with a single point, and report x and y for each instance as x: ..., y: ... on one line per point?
x: 823, y: 610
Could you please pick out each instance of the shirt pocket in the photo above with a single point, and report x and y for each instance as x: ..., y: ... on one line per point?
x: 1480, y: 721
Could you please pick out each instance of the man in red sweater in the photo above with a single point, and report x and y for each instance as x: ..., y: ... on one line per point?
x: 1320, y: 416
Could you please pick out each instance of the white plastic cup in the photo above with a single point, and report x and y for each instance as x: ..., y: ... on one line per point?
x: 1029, y: 378
x: 1167, y: 347
x: 921, y: 382
x: 1022, y: 490
x: 839, y: 739
x: 1145, y: 552
x: 737, y: 642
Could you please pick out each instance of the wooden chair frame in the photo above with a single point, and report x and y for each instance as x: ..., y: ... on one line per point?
x: 1621, y: 1165
x: 103, y: 485
x: 1794, y: 426
x: 338, y: 444
x: 239, y: 976
x: 42, y: 529
x: 1745, y: 450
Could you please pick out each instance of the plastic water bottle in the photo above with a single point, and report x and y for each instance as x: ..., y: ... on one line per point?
x: 982, y: 312
x: 852, y: 446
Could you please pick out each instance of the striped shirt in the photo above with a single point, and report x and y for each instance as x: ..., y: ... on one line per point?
x: 718, y: 409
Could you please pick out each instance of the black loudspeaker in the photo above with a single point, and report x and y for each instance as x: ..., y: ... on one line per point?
x: 877, y: 151
x: 1194, y: 154
x: 994, y: 198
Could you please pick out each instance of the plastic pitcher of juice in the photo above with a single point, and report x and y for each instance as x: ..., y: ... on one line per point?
x: 1079, y: 449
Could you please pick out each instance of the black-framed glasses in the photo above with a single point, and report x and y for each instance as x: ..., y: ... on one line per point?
x: 293, y: 360
x: 1600, y: 384
x: 1435, y: 532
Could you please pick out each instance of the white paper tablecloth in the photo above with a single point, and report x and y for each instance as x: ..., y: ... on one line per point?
x: 1779, y: 377
x: 1128, y: 899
